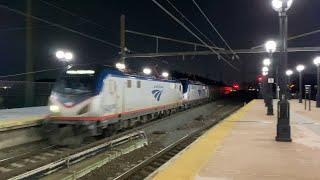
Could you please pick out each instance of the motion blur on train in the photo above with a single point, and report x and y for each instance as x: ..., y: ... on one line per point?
x: 99, y: 100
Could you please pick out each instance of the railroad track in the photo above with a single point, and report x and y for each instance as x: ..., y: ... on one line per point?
x: 151, y: 164
x: 35, y: 166
x: 52, y: 158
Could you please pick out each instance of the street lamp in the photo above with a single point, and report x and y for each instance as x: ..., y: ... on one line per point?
x: 283, y: 125
x: 147, y: 71
x: 271, y: 47
x: 266, y: 62
x: 300, y: 68
x: 281, y: 5
x: 316, y: 61
x: 60, y: 54
x: 64, y: 56
x: 289, y: 73
x: 265, y: 69
x: 68, y: 56
x: 120, y: 66
x: 165, y: 74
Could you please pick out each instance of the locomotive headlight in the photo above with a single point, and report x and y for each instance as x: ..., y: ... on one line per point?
x: 54, y: 108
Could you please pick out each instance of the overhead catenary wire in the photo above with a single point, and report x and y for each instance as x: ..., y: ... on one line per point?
x: 184, y: 17
x: 191, y: 32
x: 60, y: 26
x: 86, y: 20
x: 295, y: 37
x: 169, y: 39
x: 213, y: 27
x: 33, y: 72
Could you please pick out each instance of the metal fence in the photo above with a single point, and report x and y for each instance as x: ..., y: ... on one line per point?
x: 13, y: 93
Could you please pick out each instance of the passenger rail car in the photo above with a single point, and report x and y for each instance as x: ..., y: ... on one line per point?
x: 95, y: 100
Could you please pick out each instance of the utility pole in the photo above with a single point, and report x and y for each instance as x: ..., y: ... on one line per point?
x: 29, y: 89
x: 123, y: 38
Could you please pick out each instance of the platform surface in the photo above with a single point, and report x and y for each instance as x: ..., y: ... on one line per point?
x: 243, y: 147
x: 22, y: 116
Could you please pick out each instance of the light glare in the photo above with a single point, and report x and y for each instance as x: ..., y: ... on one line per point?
x: 267, y: 62
x: 68, y: 56
x: 265, y: 73
x: 147, y: 71
x: 271, y: 46
x: 165, y: 74
x: 54, y: 108
x: 265, y: 69
x: 120, y: 66
x: 316, y: 61
x: 277, y: 5
x: 289, y: 72
x: 300, y: 68
x: 60, y: 54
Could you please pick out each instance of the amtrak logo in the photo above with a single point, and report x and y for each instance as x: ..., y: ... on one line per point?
x: 157, y: 94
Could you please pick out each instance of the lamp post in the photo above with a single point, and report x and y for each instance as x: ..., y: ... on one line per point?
x: 316, y: 61
x: 283, y: 125
x: 300, y: 68
x: 269, y: 96
x: 264, y: 71
x: 271, y: 47
x: 289, y: 73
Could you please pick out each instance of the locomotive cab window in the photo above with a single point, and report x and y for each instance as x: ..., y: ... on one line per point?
x: 138, y: 84
x: 129, y: 83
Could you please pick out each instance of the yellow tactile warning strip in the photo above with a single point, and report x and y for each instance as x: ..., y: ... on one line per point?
x: 188, y: 163
x: 20, y: 122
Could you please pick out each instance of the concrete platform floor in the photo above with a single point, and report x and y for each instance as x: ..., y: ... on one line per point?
x: 243, y: 147
x: 22, y: 116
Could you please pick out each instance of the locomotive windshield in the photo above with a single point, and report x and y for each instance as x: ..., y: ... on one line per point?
x: 75, y: 84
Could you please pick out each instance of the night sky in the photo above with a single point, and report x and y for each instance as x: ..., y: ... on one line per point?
x: 243, y: 23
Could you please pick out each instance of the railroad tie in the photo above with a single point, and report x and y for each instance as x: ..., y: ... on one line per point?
x: 30, y: 161
x: 5, y: 170
x: 40, y: 157
x: 17, y: 165
x: 49, y: 154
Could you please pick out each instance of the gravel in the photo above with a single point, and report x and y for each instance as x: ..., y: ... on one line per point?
x: 160, y: 135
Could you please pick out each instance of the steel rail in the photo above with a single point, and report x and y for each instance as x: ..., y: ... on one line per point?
x: 184, y: 142
x: 66, y: 161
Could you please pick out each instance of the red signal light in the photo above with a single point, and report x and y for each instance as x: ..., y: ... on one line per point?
x: 236, y: 86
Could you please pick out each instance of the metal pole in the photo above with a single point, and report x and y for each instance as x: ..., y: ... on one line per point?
x: 123, y: 38
x: 300, y: 87
x: 283, y: 126
x: 277, y: 78
x: 29, y: 89
x: 270, y: 94
x: 264, y: 90
x: 289, y: 82
x: 318, y: 87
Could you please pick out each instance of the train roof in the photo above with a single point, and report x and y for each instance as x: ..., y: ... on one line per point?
x: 187, y: 81
x: 99, y: 68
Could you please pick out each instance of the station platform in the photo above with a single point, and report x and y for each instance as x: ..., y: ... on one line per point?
x: 243, y: 146
x: 21, y: 117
